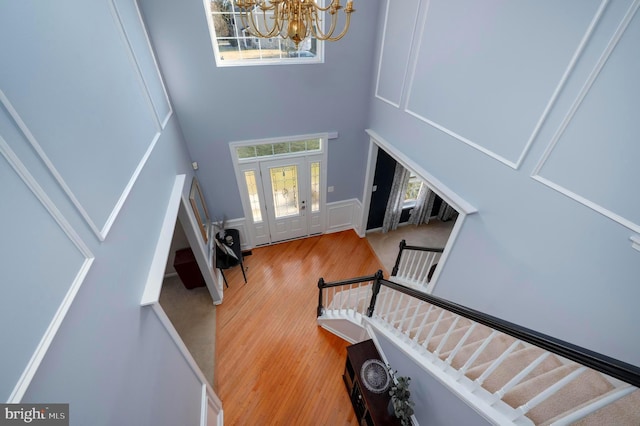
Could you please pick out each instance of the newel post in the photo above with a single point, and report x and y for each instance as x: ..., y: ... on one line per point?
x: 394, y: 272
x: 374, y: 296
x: 320, y: 310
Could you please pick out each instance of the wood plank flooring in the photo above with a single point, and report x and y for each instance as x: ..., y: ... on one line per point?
x: 274, y: 365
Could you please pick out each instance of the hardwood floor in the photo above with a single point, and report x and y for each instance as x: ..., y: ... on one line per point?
x: 274, y: 365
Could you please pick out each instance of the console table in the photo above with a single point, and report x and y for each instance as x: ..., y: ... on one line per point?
x: 372, y: 409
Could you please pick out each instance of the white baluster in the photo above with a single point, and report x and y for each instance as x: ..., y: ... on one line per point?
x: 414, y: 317
x: 583, y: 412
x: 461, y: 342
x: 433, y: 329
x: 525, y: 408
x: 496, y: 363
x: 476, y: 354
x: 422, y: 324
x: 521, y: 375
x: 443, y: 341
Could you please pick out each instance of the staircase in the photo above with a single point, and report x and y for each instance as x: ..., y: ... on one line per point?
x: 499, y: 368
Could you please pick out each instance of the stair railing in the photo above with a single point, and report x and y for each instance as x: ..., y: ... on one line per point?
x: 440, y: 329
x: 599, y: 362
x: 349, y: 295
x: 416, y: 265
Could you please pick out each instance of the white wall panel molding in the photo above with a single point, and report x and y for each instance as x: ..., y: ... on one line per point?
x: 100, y: 231
x: 61, y: 311
x: 593, y: 76
x: 161, y: 120
x: 341, y: 215
x: 635, y: 242
x: 513, y: 162
x: 401, y: 63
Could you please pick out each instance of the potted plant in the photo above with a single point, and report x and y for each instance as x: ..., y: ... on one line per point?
x: 401, y: 404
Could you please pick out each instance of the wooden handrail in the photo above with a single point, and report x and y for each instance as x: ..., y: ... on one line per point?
x: 322, y: 285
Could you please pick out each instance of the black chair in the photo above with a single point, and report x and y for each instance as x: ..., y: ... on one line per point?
x: 228, y: 253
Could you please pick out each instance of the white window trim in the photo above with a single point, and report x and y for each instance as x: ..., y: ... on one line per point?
x: 318, y: 59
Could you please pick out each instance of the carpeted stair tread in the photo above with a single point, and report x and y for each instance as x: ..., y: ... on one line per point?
x: 587, y: 386
x: 498, y: 345
x: 512, y: 365
x: 524, y: 391
x: 624, y: 412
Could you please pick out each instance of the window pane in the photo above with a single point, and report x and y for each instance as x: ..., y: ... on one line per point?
x: 413, y: 187
x: 315, y: 187
x: 254, y: 200
x: 313, y: 145
x: 263, y: 150
x: 298, y: 146
x: 281, y: 148
x: 284, y: 182
x: 246, y: 151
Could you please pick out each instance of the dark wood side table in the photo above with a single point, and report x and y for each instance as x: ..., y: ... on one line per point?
x: 224, y: 259
x: 372, y: 409
x: 187, y: 268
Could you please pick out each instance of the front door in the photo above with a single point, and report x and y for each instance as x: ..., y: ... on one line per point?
x: 284, y: 182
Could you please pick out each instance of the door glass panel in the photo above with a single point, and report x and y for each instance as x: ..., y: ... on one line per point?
x: 315, y: 186
x: 284, y: 183
x: 252, y: 188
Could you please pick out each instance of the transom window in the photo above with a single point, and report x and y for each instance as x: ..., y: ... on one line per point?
x: 278, y: 148
x: 234, y: 46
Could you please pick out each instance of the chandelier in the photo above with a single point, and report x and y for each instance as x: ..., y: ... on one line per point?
x: 292, y: 19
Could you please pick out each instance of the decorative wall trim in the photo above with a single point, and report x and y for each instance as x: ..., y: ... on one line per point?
x: 622, y: 27
x: 552, y: 100
x: 136, y: 64
x: 161, y: 121
x: 635, y: 242
x: 48, y: 336
x: 556, y: 93
x: 341, y: 215
x: 182, y: 348
x: 156, y: 275
x: 444, y: 192
x: 380, y: 60
x: 101, y: 233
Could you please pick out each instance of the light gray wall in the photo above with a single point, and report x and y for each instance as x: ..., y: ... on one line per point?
x: 435, y: 404
x: 78, y: 117
x: 221, y: 105
x: 484, y: 80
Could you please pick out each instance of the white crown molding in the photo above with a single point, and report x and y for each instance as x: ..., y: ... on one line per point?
x: 407, y: 65
x: 101, y: 233
x: 552, y: 101
x: 613, y: 42
x: 49, y: 334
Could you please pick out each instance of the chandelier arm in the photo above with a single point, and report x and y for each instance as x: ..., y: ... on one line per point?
x: 253, y: 26
x: 317, y: 31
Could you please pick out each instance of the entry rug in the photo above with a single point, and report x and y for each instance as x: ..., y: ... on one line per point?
x: 34, y: 414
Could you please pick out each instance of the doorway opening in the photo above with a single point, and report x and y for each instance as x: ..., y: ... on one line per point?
x: 282, y: 184
x: 445, y: 211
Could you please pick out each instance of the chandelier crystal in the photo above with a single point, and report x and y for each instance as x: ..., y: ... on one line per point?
x: 292, y: 19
